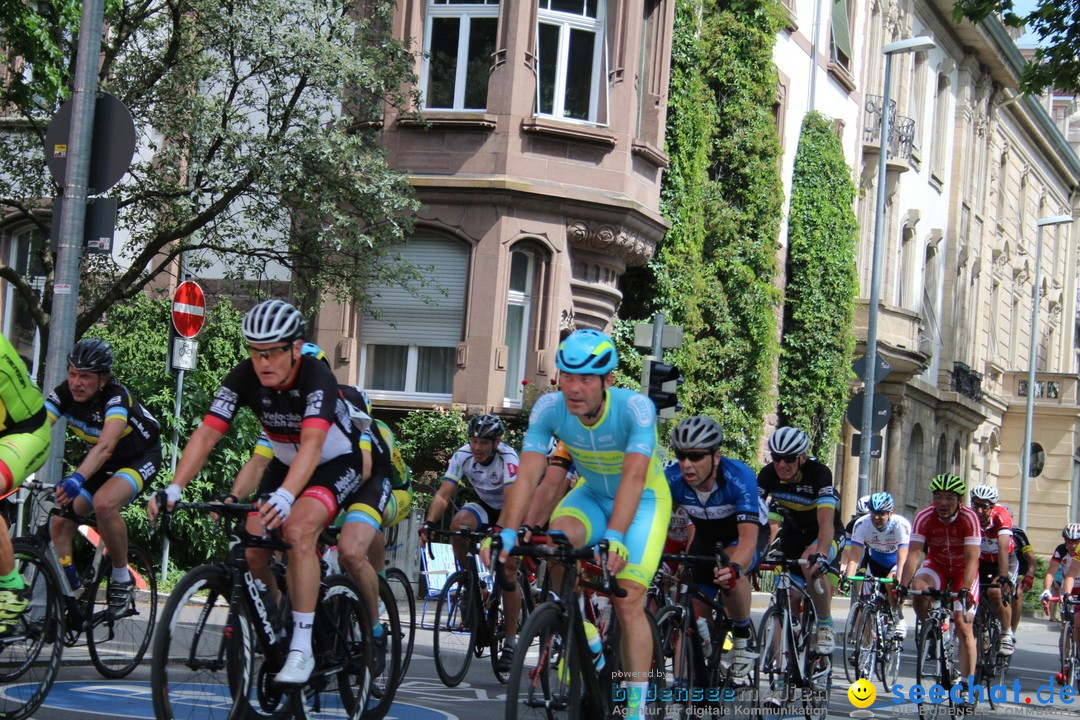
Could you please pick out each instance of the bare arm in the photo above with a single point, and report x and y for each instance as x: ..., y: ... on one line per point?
x: 247, y: 480
x: 552, y: 489
x: 914, y: 557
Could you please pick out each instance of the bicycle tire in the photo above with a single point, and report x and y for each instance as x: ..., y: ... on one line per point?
x: 850, y: 657
x: 384, y: 685
x: 931, y: 671
x: 771, y: 650
x: 987, y: 643
x: 889, y: 662
x: 866, y: 638
x: 1066, y: 653
x: 403, y: 594
x: 201, y: 662
x: 612, y: 674
x: 456, y: 617
x: 342, y: 645
x: 680, y: 663
x: 30, y: 654
x: 540, y: 686
x: 497, y: 625
x: 739, y: 696
x: 117, y: 646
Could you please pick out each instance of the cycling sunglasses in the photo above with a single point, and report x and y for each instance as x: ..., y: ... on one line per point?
x: 789, y: 459
x: 691, y: 456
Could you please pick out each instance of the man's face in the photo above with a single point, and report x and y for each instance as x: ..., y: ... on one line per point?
x: 787, y: 466
x: 274, y: 362
x: 946, y: 503
x: 584, y: 394
x: 983, y: 510
x: 698, y: 467
x: 880, y: 519
x: 482, y: 448
x: 84, y: 384
x: 1070, y: 545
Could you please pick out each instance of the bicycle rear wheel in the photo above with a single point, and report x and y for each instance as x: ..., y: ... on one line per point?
x: 540, y: 685
x: 988, y: 644
x: 117, y: 643
x: 384, y: 685
x: 30, y: 653
x: 406, y: 603
x: 497, y: 625
x: 680, y: 659
x: 341, y: 641
x: 455, y: 628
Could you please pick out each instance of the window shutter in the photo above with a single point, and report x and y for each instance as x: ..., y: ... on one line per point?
x: 840, y: 30
x: 430, y: 316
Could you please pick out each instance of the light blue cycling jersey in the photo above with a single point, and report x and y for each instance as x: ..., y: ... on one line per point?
x: 627, y: 425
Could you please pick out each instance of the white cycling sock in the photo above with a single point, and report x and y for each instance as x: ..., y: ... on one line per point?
x: 301, y: 634
x: 121, y: 575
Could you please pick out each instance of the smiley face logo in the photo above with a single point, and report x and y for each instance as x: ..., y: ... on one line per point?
x: 862, y: 693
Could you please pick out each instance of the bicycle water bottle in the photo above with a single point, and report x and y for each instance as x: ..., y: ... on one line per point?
x: 596, y: 647
x: 703, y: 633
x: 70, y: 571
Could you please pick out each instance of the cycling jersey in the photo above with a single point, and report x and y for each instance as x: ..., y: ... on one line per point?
x: 733, y: 499
x: 489, y: 479
x: 678, y: 530
x: 944, y: 542
x: 797, y: 502
x: 882, y: 545
x: 627, y: 424
x: 999, y: 523
x: 114, y: 401
x: 1021, y: 547
x: 21, y: 403
x: 312, y: 400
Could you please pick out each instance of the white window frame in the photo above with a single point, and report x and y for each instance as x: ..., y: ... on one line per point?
x: 566, y: 23
x: 465, y: 13
x: 515, y: 372
x: 23, y: 236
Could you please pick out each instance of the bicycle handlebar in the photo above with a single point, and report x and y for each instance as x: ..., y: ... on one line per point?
x: 562, y: 550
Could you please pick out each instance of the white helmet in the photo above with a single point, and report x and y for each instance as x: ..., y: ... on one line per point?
x: 862, y: 507
x: 273, y: 321
x: 788, y: 441
x: 986, y: 493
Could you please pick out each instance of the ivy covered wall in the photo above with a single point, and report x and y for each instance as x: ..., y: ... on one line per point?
x: 819, y: 305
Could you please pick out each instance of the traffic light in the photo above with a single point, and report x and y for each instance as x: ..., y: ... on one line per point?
x: 661, y: 383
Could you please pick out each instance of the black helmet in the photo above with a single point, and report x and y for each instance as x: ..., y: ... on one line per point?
x: 489, y: 427
x: 92, y: 355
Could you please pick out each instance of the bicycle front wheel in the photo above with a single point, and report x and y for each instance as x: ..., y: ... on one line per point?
x: 851, y: 655
x: 930, y: 667
x: 118, y: 637
x: 30, y: 652
x: 541, y: 685
x: 455, y: 628
x: 865, y: 639
x: 384, y: 684
x: 406, y: 604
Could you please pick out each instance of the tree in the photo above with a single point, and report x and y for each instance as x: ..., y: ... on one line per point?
x: 256, y: 141
x: 1056, y: 62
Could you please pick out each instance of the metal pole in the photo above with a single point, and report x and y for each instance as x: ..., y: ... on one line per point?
x: 172, y: 462
x: 875, y: 292
x: 658, y: 336
x: 73, y: 218
x: 1033, y: 344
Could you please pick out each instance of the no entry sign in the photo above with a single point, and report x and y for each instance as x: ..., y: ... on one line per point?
x: 188, y: 309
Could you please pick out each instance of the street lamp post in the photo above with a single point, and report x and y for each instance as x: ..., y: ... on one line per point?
x: 915, y: 44
x: 1025, y: 454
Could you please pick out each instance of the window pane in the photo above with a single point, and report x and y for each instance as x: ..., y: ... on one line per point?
x: 548, y: 51
x: 435, y: 370
x: 386, y: 367
x: 442, y: 65
x: 579, y: 74
x: 515, y: 332
x: 519, y: 272
x: 481, y: 47
x: 575, y: 7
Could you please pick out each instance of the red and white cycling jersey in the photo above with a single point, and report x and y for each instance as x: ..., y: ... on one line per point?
x: 944, y: 542
x: 999, y: 523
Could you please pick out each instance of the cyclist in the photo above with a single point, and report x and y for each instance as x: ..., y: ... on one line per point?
x: 862, y: 507
x: 491, y: 467
x: 801, y: 490
x: 949, y: 535
x: 884, y: 537
x: 315, y: 468
x: 621, y: 497
x: 997, y: 560
x: 1059, y: 562
x: 721, y: 497
x: 1070, y: 568
x: 124, y: 455
x: 24, y: 445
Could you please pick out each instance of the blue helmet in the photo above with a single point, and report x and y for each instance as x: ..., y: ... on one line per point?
x: 881, y: 502
x: 310, y: 349
x: 587, y: 352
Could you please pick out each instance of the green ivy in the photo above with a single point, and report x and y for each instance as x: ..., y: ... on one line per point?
x: 819, y: 310
x: 714, y: 272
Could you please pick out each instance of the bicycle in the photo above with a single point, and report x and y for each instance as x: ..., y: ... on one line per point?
x: 990, y: 664
x: 30, y: 653
x: 116, y: 642
x: 787, y: 660
x: 220, y: 643
x: 935, y: 652
x: 1068, y: 653
x: 553, y: 673
x: 692, y: 666
x: 469, y: 615
x: 870, y: 645
x: 404, y: 598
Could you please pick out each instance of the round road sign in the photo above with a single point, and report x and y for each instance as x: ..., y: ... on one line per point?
x: 188, y: 309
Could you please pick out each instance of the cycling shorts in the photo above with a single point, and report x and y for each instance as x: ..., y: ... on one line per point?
x: 940, y: 576
x: 644, y: 539
x: 703, y: 574
x: 989, y: 570
x: 22, y: 453
x: 486, y: 515
x: 138, y: 471
x: 397, y: 507
x: 874, y: 569
x: 331, y: 484
x: 368, y: 502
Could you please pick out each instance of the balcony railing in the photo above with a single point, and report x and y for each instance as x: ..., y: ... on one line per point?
x: 966, y: 381
x: 901, y: 130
